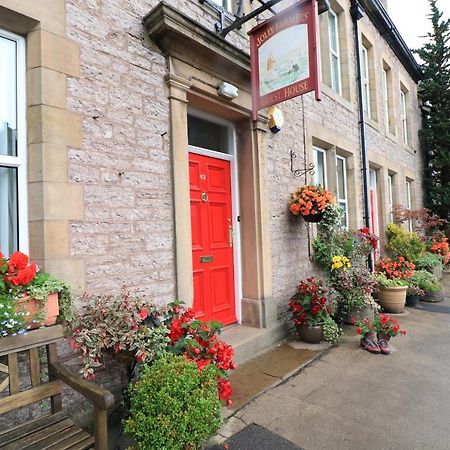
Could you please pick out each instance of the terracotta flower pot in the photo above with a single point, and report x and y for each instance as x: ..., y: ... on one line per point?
x: 313, y: 334
x: 34, y: 307
x: 392, y: 299
x: 313, y: 218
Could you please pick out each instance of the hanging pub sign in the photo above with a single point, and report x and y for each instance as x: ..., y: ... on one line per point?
x: 284, y: 56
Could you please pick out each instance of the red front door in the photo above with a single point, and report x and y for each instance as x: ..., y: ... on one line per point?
x: 212, y: 238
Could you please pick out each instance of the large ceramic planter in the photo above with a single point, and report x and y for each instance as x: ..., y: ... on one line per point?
x: 36, y: 317
x: 392, y: 299
x: 311, y: 334
x: 412, y: 300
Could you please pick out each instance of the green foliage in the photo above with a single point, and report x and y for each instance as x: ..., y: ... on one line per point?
x: 426, y: 281
x: 174, y: 405
x: 435, y: 133
x: 428, y: 261
x: 333, y: 218
x: 45, y: 284
x: 383, y: 281
x: 331, y: 330
x: 403, y: 243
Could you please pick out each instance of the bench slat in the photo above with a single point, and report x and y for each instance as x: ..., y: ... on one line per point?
x: 34, y: 425
x: 80, y: 438
x: 30, y: 396
x: 35, y: 338
x: 35, y: 437
x: 59, y: 439
x: 87, y: 444
x: 35, y: 367
x: 13, y: 368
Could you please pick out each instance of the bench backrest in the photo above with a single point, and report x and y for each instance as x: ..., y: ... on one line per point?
x: 30, y: 343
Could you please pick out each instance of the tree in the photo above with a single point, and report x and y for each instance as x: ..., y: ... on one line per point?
x: 435, y: 133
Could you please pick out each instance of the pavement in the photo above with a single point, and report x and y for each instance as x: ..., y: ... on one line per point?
x: 346, y: 398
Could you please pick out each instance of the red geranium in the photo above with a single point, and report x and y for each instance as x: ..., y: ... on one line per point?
x: 198, y: 341
x: 309, y: 304
x: 394, y: 269
x: 17, y: 270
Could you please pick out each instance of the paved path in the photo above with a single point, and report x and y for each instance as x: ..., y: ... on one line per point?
x: 350, y: 399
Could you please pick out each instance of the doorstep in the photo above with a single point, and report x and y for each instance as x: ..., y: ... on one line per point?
x: 248, y: 341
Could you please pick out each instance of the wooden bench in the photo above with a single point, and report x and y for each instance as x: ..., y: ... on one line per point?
x: 55, y: 430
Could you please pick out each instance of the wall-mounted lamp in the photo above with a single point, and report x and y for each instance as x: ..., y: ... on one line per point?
x: 276, y: 119
x: 227, y: 90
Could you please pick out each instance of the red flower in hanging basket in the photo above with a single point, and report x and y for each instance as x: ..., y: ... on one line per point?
x: 310, y: 200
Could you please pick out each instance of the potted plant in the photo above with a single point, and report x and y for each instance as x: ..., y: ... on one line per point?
x: 38, y: 298
x: 393, y: 279
x: 432, y: 262
x: 122, y: 326
x: 174, y: 406
x: 427, y: 282
x: 402, y: 243
x: 309, y: 308
x: 310, y: 202
x: 413, y: 295
x: 376, y: 334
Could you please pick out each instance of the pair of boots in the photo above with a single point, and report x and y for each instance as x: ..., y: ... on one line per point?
x: 376, y: 343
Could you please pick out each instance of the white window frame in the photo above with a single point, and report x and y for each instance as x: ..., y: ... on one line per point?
x: 404, y: 116
x: 20, y: 161
x: 386, y: 98
x: 334, y: 53
x: 365, y: 80
x: 390, y: 199
x: 343, y: 202
x: 316, y: 151
x: 225, y: 4
x: 408, y: 203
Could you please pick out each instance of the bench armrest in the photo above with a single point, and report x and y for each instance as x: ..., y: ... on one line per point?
x: 102, y: 398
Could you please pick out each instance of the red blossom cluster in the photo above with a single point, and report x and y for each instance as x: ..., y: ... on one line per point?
x: 198, y: 341
x: 394, y: 269
x: 309, y: 303
x: 382, y: 323
x: 17, y: 270
x: 370, y: 238
x: 310, y: 200
x: 440, y: 246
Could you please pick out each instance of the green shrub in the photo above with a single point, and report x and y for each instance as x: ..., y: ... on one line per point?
x: 174, y: 405
x: 331, y: 330
x: 426, y: 281
x: 428, y: 261
x: 404, y: 243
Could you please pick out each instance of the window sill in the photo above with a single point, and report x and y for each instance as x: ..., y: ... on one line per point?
x: 336, y: 97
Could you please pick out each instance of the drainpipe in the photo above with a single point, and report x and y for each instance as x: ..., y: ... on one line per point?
x: 357, y: 13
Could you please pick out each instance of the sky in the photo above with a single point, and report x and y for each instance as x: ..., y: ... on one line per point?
x: 410, y: 18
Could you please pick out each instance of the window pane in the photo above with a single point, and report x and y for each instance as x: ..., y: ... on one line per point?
x: 8, y: 97
x: 341, y: 178
x: 335, y: 73
x: 343, y: 205
x: 319, y: 168
x: 8, y: 210
x: 333, y: 31
x: 205, y: 134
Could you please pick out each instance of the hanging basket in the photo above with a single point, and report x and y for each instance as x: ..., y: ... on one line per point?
x: 313, y: 218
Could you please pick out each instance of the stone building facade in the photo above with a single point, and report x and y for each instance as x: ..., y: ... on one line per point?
x: 112, y: 92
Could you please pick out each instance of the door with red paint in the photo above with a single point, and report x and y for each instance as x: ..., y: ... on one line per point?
x: 212, y: 238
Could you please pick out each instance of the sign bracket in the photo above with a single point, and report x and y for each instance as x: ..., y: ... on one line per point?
x: 324, y: 5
